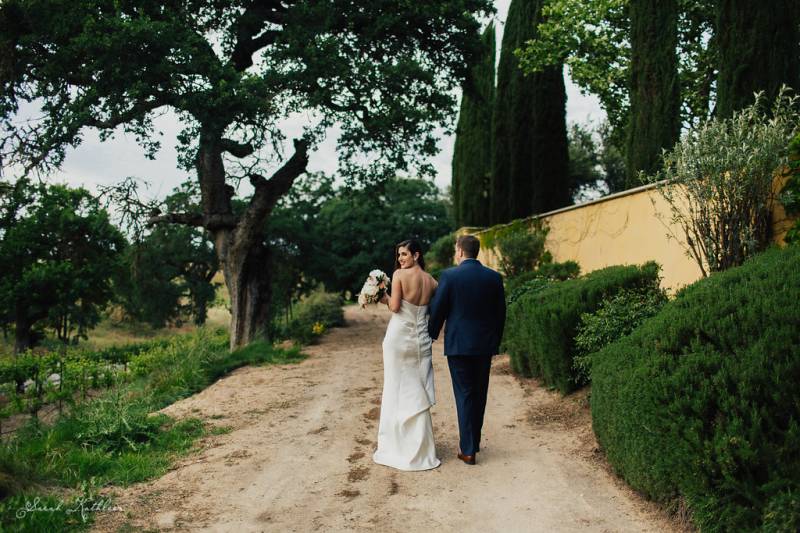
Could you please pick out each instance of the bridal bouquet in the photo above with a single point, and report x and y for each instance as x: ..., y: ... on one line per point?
x: 374, y: 288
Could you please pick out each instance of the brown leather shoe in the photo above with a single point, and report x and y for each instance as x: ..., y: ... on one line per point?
x: 469, y: 459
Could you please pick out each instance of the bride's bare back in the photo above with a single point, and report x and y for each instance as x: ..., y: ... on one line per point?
x: 409, y: 282
x: 413, y: 285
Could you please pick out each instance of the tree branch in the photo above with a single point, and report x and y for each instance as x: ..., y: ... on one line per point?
x: 210, y: 222
x: 267, y: 193
x: 236, y: 149
x: 250, y: 33
x: 281, y: 181
x: 187, y: 219
x: 125, y: 116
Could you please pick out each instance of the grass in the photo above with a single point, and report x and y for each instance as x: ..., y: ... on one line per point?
x: 117, y: 439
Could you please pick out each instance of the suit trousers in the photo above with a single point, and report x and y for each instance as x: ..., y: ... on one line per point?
x: 470, y: 376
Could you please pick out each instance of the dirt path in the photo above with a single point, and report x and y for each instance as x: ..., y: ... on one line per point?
x: 298, y: 457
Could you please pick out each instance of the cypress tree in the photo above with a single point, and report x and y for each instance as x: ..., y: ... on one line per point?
x: 530, y: 171
x: 472, y: 152
x: 759, y: 49
x: 655, y: 121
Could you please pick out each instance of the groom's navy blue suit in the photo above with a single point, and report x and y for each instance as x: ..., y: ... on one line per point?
x: 471, y: 301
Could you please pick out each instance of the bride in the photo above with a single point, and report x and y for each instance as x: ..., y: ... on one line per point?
x: 405, y: 432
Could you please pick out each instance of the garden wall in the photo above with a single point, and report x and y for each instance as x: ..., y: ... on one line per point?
x: 627, y: 228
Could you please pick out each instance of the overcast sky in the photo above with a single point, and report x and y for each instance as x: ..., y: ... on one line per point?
x: 94, y: 163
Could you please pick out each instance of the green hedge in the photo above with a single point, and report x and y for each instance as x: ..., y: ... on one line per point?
x: 546, y: 270
x: 541, y: 324
x: 618, y: 316
x: 701, y: 403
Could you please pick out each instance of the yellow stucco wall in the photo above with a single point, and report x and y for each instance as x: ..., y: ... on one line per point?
x: 631, y: 227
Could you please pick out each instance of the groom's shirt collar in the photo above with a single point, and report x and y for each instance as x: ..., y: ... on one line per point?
x: 470, y: 259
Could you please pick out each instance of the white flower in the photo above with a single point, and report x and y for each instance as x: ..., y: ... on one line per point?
x: 372, y: 291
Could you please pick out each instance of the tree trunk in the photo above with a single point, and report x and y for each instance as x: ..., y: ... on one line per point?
x: 238, y: 241
x: 248, y: 279
x: 655, y: 118
x: 759, y: 44
x: 22, y: 335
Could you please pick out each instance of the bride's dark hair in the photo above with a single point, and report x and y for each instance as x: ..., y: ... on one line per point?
x: 413, y: 247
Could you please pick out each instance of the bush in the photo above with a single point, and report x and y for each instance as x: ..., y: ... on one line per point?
x: 790, y: 193
x: 442, y: 252
x: 616, y: 317
x: 539, y: 278
x: 701, y: 403
x: 314, y: 314
x: 545, y: 270
x: 718, y: 181
x: 521, y: 250
x: 541, y: 325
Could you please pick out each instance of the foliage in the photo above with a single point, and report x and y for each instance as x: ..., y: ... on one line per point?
x: 292, y: 237
x: 529, y: 286
x: 442, y: 251
x: 521, y: 251
x: 530, y: 165
x: 585, y: 172
x: 59, y: 252
x: 654, y: 123
x: 356, y: 230
x: 237, y: 75
x: 342, y: 61
x: 167, y: 275
x: 472, y: 150
x: 542, y: 324
x: 113, y: 438
x: 546, y: 270
x: 700, y: 403
x: 596, y: 163
x: 615, y: 318
x: 758, y: 43
x: 77, y: 371
x: 313, y: 315
x: 14, y: 520
x: 790, y: 192
x: 719, y: 182
x: 593, y: 40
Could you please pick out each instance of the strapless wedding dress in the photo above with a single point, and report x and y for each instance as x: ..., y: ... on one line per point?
x: 405, y: 433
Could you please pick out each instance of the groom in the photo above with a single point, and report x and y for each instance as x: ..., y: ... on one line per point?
x: 471, y: 300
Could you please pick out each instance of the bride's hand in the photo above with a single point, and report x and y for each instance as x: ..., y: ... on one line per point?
x: 384, y: 299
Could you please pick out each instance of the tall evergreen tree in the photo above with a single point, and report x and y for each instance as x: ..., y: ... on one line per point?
x: 759, y: 49
x: 530, y: 160
x: 655, y: 120
x: 472, y: 152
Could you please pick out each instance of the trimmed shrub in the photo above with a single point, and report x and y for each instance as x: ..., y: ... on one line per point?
x: 701, y: 402
x: 547, y: 270
x: 541, y: 324
x: 616, y: 317
x: 540, y: 278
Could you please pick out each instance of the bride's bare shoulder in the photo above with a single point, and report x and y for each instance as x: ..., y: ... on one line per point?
x: 432, y: 280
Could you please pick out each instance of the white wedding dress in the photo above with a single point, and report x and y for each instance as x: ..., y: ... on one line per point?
x: 405, y: 433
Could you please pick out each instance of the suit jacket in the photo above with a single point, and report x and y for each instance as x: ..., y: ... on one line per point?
x: 471, y: 300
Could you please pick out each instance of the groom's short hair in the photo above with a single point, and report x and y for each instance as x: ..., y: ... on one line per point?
x: 470, y: 245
